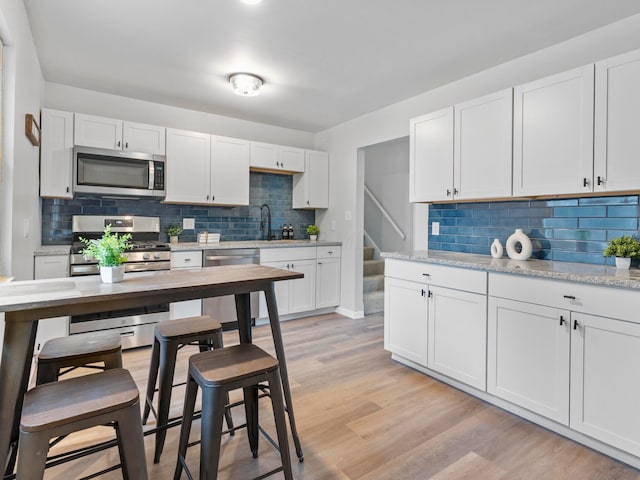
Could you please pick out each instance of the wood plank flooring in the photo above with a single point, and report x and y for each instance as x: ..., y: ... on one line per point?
x: 363, y: 416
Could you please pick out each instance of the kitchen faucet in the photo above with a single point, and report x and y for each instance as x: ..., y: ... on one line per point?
x: 269, y: 235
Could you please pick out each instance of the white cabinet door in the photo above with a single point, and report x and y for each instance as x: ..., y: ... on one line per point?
x: 327, y: 282
x: 188, y: 167
x: 405, y: 319
x: 458, y: 335
x: 302, y: 291
x: 431, y: 157
x: 553, y: 134
x: 98, y: 132
x: 230, y: 171
x: 291, y: 159
x: 281, y: 290
x: 141, y: 138
x: 528, y: 356
x: 605, y: 386
x: 483, y: 147
x: 56, y: 154
x: 51, y: 266
x: 264, y: 156
x: 311, y: 188
x: 617, y: 109
x: 188, y: 308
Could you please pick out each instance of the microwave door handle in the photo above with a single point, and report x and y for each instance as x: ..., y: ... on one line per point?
x: 151, y: 174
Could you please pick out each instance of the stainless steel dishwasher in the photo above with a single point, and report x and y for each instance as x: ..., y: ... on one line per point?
x: 223, y: 309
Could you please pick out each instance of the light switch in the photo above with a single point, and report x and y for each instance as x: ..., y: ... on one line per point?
x: 188, y: 223
x: 435, y: 228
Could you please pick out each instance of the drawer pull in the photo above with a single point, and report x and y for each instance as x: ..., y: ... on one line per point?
x: 426, y: 274
x: 569, y: 297
x: 126, y: 334
x: 187, y: 260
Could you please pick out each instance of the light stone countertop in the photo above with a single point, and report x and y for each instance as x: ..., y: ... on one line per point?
x: 46, y: 250
x: 188, y: 246
x: 573, y: 272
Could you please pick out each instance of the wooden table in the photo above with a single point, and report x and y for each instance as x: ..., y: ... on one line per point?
x: 25, y: 303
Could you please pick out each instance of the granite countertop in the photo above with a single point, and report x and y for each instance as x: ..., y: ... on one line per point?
x: 574, y: 272
x: 44, y: 250
x: 187, y: 246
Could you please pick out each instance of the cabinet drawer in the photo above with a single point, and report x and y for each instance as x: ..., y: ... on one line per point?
x: 186, y: 259
x: 611, y: 302
x: 329, y: 252
x: 444, y: 276
x: 285, y: 254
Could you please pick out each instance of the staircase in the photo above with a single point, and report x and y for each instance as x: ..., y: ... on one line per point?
x: 373, y: 282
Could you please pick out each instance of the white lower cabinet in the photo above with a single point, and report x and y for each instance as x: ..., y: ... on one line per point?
x: 328, y: 277
x: 605, y: 387
x: 528, y: 356
x: 188, y: 308
x: 51, y: 266
x: 457, y: 333
x: 441, y: 328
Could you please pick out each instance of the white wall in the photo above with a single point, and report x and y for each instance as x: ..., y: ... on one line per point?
x: 22, y: 93
x: 387, y: 176
x: 72, y: 99
x: 343, y: 141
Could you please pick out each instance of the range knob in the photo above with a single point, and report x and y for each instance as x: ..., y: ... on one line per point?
x: 146, y: 256
x: 156, y: 256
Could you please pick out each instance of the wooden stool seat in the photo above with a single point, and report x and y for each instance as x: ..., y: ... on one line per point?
x: 78, y: 350
x: 74, y: 404
x: 217, y: 372
x: 169, y: 337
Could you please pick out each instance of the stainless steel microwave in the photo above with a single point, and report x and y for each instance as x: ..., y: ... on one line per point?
x: 108, y: 172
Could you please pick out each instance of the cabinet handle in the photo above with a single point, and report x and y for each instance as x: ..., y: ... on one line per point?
x: 448, y: 192
x: 319, y: 263
x: 118, y: 143
x: 426, y: 274
x: 187, y: 260
x: 600, y: 180
x: 330, y: 252
x: 207, y: 197
x: 67, y: 189
x: 126, y: 145
x: 292, y: 265
x: 585, y: 182
x: 569, y: 297
x: 213, y: 198
x: 561, y: 320
x: 575, y: 324
x: 422, y: 292
x: 455, y: 191
x: 430, y: 294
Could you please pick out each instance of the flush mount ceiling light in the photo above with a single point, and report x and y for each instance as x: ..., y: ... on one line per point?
x: 245, y: 84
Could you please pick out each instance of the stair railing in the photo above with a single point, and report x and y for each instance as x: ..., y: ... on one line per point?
x: 385, y: 214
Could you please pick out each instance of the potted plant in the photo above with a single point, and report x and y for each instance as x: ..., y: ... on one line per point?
x: 624, y: 249
x: 313, y: 231
x: 173, y: 231
x: 109, y: 252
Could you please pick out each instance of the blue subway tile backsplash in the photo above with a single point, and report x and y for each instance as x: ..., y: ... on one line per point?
x: 568, y: 230
x: 233, y: 223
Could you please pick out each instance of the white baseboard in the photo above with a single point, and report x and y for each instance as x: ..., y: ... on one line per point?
x: 350, y: 313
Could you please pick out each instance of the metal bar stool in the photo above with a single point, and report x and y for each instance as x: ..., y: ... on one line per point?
x: 60, y: 408
x: 169, y: 337
x: 77, y: 351
x: 217, y: 372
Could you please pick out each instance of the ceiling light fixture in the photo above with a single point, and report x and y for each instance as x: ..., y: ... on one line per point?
x: 246, y: 84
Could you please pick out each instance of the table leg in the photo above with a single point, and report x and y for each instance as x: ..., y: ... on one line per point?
x: 243, y: 312
x: 19, y: 340
x: 276, y: 333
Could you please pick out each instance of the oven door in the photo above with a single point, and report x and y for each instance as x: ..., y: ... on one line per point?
x: 135, y: 325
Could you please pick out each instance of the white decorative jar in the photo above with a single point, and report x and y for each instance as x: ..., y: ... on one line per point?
x: 313, y: 238
x: 526, y: 248
x: 112, y: 274
x: 173, y: 239
x: 496, y: 249
x: 623, y: 263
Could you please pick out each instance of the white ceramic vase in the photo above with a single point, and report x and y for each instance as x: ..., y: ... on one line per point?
x: 173, y: 239
x: 526, y: 248
x: 496, y: 249
x: 112, y: 274
x: 313, y: 238
x: 623, y: 263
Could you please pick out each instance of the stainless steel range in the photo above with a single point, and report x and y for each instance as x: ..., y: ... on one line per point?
x: 135, y: 325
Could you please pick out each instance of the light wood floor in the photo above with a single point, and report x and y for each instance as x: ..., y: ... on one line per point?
x: 363, y: 416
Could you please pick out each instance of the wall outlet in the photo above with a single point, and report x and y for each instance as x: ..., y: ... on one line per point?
x: 188, y: 223
x: 435, y: 228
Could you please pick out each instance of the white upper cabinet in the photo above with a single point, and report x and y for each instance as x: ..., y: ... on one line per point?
x: 229, y: 171
x: 311, y: 188
x: 188, y: 167
x: 113, y: 134
x: 617, y: 108
x: 483, y: 135
x: 56, y: 154
x: 431, y: 157
x: 553, y: 134
x: 142, y: 138
x: 270, y: 157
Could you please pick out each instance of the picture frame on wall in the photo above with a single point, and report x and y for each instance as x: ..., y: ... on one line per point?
x: 32, y: 130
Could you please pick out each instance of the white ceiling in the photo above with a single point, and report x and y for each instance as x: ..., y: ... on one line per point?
x: 323, y: 62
